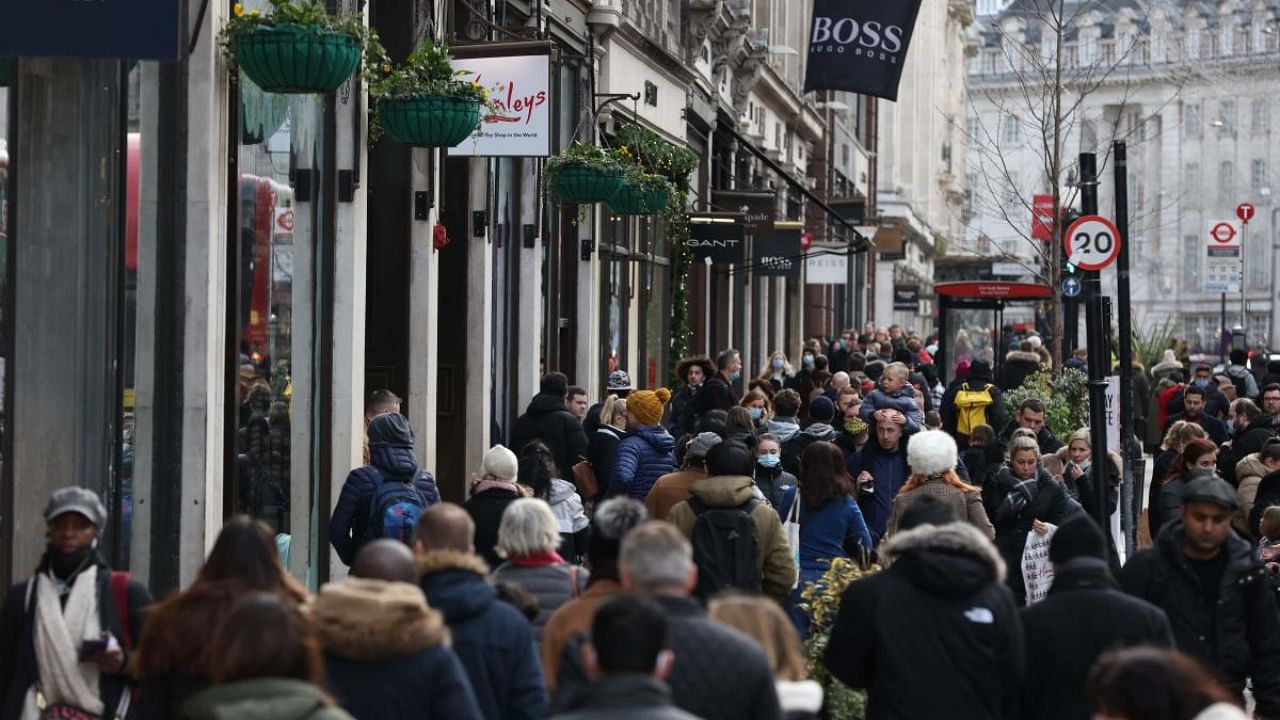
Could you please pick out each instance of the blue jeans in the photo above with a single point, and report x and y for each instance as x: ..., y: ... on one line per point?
x: 799, y: 617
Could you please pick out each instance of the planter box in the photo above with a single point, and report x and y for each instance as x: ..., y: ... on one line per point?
x: 428, y: 120
x: 292, y: 59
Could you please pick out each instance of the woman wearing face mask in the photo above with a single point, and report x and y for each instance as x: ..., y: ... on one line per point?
x: 757, y: 403
x: 1077, y: 464
x: 801, y: 380
x: 66, y: 633
x: 1199, y: 454
x: 770, y: 478
x: 854, y: 431
x: 692, y: 371
x: 778, y: 372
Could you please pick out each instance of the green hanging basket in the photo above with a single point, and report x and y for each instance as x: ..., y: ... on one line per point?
x: 581, y: 184
x: 428, y: 120
x: 639, y: 200
x: 292, y: 59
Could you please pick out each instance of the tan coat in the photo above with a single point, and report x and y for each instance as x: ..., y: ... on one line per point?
x: 1249, y: 474
x: 569, y: 620
x: 966, y: 505
x: 671, y: 490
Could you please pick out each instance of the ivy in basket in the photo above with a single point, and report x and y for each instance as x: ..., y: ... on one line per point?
x: 297, y: 46
x: 585, y: 174
x: 641, y: 194
x: 425, y: 101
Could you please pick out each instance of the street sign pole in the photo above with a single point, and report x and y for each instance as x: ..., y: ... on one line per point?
x: 1130, y: 450
x: 1245, y: 212
x: 1096, y: 336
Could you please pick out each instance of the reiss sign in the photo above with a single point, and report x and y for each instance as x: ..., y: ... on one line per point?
x: 520, y: 126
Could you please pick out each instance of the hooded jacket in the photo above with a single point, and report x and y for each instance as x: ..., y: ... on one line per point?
x: 552, y: 585
x: 671, y: 490
x: 602, y: 453
x: 644, y: 456
x: 940, y: 610
x: 385, y: 650
x: 947, y: 409
x: 1249, y: 474
x: 548, y: 420
x: 782, y: 428
x: 1241, y: 377
x: 1268, y: 494
x: 773, y: 557
x: 263, y: 699
x: 1239, y: 636
x: 485, y: 506
x: 391, y: 460
x: 492, y: 639
x: 773, y: 483
x: 1246, y: 441
x: 1018, y: 366
x: 888, y: 469
x: 1084, y: 615
x: 793, y: 448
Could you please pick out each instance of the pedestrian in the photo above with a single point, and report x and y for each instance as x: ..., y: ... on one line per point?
x: 538, y: 472
x: 1084, y: 615
x: 1209, y: 582
x: 1271, y: 403
x: 737, y: 541
x: 384, y: 649
x: 66, y: 632
x: 939, y: 611
x: 777, y: 372
x: 673, y: 488
x: 267, y: 664
x: 528, y: 538
x: 931, y: 456
x: 879, y: 471
x: 1031, y: 416
x: 1238, y: 372
x: 1149, y: 683
x: 645, y: 454
x: 492, y: 639
x: 493, y: 488
x: 629, y: 661
x: 1194, y: 410
x: 602, y: 450
x: 799, y: 697
x: 758, y: 406
x: 983, y: 456
x: 175, y: 657
x: 548, y: 420
x: 972, y: 399
x: 576, y: 402
x: 894, y: 393
x: 741, y: 426
x: 1269, y: 546
x: 718, y: 391
x: 854, y: 431
x: 822, y: 413
x: 1256, y: 494
x: 1022, y: 498
x: 380, y: 402
x: 785, y: 423
x: 384, y: 498
x: 1199, y: 455
x: 772, y: 481
x: 693, y: 372
x: 1077, y: 476
x: 1248, y: 434
x: 831, y: 523
x: 562, y: 634
x: 1019, y: 365
x: 1175, y: 440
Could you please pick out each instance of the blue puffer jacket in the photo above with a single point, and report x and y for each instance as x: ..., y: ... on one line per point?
x: 494, y: 642
x: 391, y: 457
x: 644, y: 456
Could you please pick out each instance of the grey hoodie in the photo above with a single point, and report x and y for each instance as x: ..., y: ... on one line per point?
x: 1236, y: 372
x: 783, y: 428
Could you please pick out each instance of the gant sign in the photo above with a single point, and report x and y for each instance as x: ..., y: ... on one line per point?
x: 860, y: 45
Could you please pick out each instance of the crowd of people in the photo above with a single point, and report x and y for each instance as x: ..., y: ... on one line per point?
x: 653, y: 555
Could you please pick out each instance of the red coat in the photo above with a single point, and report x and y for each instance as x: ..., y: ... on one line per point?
x: 1163, y: 399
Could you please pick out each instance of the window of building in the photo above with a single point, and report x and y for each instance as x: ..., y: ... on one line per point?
x: 1191, y: 183
x: 1260, y: 110
x: 1140, y: 54
x: 1071, y: 55
x: 971, y: 128
x: 1226, y: 182
x: 1011, y: 131
x: 970, y: 190
x: 1107, y: 52
x: 1191, y: 248
x: 1258, y: 175
x: 1191, y: 125
x: 1228, y: 118
x: 1242, y: 44
x: 1259, y: 264
x: 1088, y: 136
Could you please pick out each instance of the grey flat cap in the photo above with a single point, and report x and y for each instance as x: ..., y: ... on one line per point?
x: 76, y: 500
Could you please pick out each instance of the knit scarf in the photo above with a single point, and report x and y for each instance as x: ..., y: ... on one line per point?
x: 543, y: 559
x: 65, y: 680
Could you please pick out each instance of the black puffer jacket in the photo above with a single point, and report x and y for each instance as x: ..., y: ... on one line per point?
x: 602, y: 453
x: 1244, y: 442
x: 1084, y: 615
x: 1239, y: 637
x: 548, y: 420
x: 1045, y: 500
x: 773, y: 483
x: 938, y: 611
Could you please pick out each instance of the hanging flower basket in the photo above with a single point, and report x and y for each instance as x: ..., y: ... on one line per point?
x: 293, y: 59
x: 648, y: 197
x: 429, y: 120
x: 581, y: 184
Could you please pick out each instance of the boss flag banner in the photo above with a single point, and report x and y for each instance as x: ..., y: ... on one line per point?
x: 860, y: 45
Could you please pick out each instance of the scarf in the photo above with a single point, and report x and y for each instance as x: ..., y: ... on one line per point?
x: 542, y: 559
x: 58, y: 634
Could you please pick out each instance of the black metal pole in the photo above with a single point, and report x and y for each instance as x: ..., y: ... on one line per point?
x: 1223, y: 333
x: 1129, y: 450
x: 1096, y: 340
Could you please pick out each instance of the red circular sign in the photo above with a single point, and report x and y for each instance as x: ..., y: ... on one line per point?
x: 1245, y: 212
x: 1093, y: 243
x: 1223, y: 232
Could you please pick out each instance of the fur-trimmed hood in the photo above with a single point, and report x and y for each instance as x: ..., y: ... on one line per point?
x: 1167, y: 365
x: 438, y: 560
x: 952, y: 560
x: 1021, y: 356
x: 367, y: 620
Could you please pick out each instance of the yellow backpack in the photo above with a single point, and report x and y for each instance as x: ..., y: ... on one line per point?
x: 971, y: 408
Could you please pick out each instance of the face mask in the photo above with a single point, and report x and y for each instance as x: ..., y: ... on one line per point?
x: 757, y: 413
x: 808, y: 361
x: 1202, y: 382
x: 735, y: 375
x: 1084, y: 466
x: 855, y: 427
x: 769, y: 461
x: 777, y: 363
x: 1231, y: 427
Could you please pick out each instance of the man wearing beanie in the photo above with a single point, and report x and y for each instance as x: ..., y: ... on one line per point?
x: 673, y: 488
x: 978, y: 380
x: 822, y: 413
x: 1084, y: 615
x: 613, y: 520
x: 646, y: 453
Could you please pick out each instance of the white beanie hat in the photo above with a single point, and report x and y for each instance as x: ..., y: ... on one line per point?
x: 499, y: 462
x: 931, y: 452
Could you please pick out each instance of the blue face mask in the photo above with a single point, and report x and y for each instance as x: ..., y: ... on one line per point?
x: 1202, y: 382
x: 777, y: 363
x: 756, y: 413
x: 735, y: 375
x: 1231, y: 427
x: 769, y: 461
x: 808, y: 361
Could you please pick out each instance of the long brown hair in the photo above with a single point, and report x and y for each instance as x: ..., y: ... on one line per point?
x: 265, y: 637
x: 823, y: 475
x: 1147, y: 683
x: 1194, y: 449
x: 764, y: 621
x: 949, y: 476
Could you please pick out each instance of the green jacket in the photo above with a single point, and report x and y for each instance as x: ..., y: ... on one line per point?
x: 263, y: 699
x: 775, y: 560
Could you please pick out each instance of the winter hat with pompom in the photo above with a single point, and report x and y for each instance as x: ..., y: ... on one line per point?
x: 647, y: 405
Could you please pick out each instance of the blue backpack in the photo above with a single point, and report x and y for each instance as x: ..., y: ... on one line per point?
x: 394, y: 510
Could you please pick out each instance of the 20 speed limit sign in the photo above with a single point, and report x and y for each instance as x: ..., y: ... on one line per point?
x: 1093, y: 243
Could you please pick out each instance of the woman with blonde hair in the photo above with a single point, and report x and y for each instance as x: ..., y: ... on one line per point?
x: 777, y: 372
x: 602, y: 446
x: 931, y: 455
x: 1021, y: 498
x: 762, y: 620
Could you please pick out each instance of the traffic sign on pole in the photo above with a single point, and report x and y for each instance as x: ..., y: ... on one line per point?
x: 1223, y: 232
x: 1245, y: 212
x: 1093, y: 243
x: 1223, y: 267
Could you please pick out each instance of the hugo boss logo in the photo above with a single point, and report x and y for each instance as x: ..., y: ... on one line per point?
x: 871, y: 38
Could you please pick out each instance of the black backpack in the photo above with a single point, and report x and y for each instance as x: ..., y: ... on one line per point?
x: 724, y: 548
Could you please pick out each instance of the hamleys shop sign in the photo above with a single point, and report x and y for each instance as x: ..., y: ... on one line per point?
x: 520, y: 123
